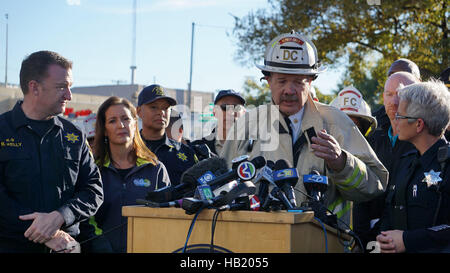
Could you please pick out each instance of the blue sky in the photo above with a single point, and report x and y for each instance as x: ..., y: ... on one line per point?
x: 97, y: 36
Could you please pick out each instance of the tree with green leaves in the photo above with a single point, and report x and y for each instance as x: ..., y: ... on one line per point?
x: 360, y: 35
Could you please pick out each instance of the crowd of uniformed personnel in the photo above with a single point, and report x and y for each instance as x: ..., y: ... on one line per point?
x: 386, y: 178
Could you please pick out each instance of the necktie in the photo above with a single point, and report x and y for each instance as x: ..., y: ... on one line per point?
x: 289, y: 125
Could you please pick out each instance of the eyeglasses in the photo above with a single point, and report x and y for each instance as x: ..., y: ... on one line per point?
x: 232, y: 107
x: 397, y: 117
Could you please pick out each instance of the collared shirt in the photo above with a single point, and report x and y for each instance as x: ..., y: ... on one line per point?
x: 176, y: 156
x: 296, y: 124
x: 392, y: 138
x: 54, y: 171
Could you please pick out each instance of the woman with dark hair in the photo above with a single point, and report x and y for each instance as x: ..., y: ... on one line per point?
x: 129, y: 169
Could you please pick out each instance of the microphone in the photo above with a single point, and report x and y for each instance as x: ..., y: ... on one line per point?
x: 244, y: 203
x: 176, y: 203
x: 190, y: 180
x: 279, y: 194
x: 286, y: 178
x: 238, y: 160
x: 192, y: 205
x: 246, y: 188
x: 316, y: 185
x: 189, y: 204
x: 246, y: 170
x: 201, y: 173
x: 264, y: 178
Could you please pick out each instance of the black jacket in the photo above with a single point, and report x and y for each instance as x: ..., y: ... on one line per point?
x: 364, y: 212
x: 124, y: 191
x: 55, y: 172
x: 177, y: 157
x: 210, y: 142
x: 412, y: 201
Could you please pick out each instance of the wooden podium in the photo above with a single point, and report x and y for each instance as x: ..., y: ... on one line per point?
x: 164, y: 230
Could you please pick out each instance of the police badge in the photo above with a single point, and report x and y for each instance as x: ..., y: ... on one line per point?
x: 432, y: 178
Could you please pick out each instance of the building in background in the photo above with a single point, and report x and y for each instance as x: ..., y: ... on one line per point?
x: 198, y: 120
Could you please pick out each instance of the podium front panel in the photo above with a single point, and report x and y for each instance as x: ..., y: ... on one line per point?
x: 164, y: 230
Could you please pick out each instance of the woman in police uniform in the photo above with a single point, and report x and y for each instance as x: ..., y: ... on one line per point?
x: 417, y: 213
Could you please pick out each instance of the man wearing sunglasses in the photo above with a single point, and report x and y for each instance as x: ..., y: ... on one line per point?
x: 228, y: 107
x: 417, y: 212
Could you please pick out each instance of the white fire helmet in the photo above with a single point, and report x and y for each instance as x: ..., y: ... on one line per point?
x: 350, y: 101
x: 291, y: 53
x: 89, y: 125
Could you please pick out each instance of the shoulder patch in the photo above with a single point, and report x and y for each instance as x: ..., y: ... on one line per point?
x: 439, y: 228
x: 72, y: 137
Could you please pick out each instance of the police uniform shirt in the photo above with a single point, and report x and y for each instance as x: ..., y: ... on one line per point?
x: 176, y: 156
x: 420, y: 196
x: 413, y: 199
x: 44, y: 166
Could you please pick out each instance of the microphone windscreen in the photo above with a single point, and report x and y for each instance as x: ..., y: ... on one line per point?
x: 216, y: 165
x: 259, y: 161
x: 281, y: 165
x: 270, y: 164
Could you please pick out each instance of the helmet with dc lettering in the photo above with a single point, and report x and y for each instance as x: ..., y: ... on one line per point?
x: 291, y: 53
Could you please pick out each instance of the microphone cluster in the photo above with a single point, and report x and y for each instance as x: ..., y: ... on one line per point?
x: 210, y: 184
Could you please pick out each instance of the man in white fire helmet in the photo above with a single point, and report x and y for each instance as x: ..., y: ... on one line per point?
x: 350, y: 101
x: 339, y: 151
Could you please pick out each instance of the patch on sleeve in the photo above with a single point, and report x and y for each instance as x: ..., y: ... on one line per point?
x: 439, y: 228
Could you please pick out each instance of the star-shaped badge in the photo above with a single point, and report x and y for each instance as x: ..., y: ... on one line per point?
x: 71, y: 137
x: 182, y: 156
x: 432, y: 178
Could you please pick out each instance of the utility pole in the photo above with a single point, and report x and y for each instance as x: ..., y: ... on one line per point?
x: 6, y: 58
x: 190, y: 73
x: 133, y: 49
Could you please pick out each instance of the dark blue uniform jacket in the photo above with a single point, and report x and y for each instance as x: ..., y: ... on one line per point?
x: 43, y: 174
x: 119, y: 192
x: 412, y: 201
x: 176, y: 156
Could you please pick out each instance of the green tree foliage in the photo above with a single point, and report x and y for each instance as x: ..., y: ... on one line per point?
x: 256, y: 93
x: 324, y: 98
x: 363, y: 38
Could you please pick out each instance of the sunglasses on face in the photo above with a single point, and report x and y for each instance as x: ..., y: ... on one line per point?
x: 232, y: 107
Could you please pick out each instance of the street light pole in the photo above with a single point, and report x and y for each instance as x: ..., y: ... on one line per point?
x: 133, y: 46
x: 6, y: 58
x: 190, y: 73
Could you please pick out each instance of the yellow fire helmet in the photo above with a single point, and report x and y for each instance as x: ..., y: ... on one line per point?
x: 291, y: 53
x: 350, y: 101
